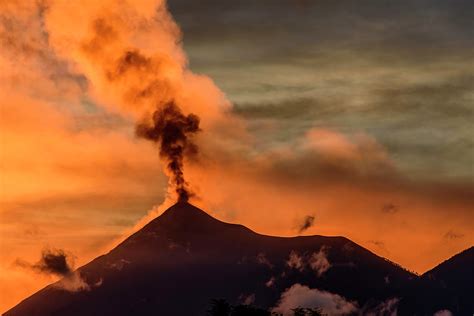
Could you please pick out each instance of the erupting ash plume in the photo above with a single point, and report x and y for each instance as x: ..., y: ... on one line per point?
x: 131, y: 54
x: 171, y: 130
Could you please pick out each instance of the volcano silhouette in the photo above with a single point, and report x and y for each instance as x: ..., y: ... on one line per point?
x: 184, y: 258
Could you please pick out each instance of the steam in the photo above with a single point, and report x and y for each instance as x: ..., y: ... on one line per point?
x: 171, y: 130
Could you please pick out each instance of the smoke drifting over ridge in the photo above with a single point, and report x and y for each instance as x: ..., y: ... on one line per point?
x: 308, y: 223
x: 54, y: 262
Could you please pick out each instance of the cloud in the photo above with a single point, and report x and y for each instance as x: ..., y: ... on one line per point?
x: 380, y: 245
x: 319, y: 261
x: 388, y: 307
x: 389, y: 208
x: 119, y: 264
x: 453, y: 235
x: 73, y: 282
x: 302, y: 296
x: 262, y: 259
x: 132, y: 57
x: 295, y: 261
x: 270, y: 282
x: 247, y: 299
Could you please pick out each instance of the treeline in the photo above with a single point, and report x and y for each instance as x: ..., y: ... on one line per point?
x: 220, y: 307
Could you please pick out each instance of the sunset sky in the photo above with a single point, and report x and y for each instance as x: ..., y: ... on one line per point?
x: 356, y: 112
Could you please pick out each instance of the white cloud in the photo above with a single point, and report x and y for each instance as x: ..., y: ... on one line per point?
x: 247, y: 299
x: 319, y: 261
x: 262, y: 259
x: 388, y: 308
x: 270, y: 282
x: 119, y: 264
x: 295, y: 261
x: 302, y: 296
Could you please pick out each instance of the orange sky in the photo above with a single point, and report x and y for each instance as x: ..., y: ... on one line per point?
x: 74, y: 176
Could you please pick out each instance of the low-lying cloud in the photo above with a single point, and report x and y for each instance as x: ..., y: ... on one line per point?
x: 295, y: 261
x: 316, y: 261
x: 302, y: 296
x: 388, y: 307
x: 319, y: 261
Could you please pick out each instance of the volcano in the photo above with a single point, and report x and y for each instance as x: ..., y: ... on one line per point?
x: 184, y: 258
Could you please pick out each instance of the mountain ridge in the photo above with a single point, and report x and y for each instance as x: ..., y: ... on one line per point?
x: 187, y: 254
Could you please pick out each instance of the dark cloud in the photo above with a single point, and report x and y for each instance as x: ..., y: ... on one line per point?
x: 281, y: 29
x: 33, y: 231
x: 379, y: 244
x: 370, y: 66
x: 389, y: 208
x: 391, y: 112
x: 54, y: 261
x: 290, y: 109
x: 451, y: 234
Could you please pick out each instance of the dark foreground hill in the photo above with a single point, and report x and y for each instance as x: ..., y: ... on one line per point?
x: 184, y: 258
x: 449, y: 286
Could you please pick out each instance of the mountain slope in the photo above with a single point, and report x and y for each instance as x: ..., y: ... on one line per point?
x: 448, y: 286
x: 182, y: 259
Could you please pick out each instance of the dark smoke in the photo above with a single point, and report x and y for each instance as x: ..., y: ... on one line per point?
x: 53, y: 262
x: 453, y: 235
x: 308, y: 222
x: 389, y: 208
x: 171, y: 130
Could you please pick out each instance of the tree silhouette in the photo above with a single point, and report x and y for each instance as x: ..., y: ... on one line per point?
x: 307, y: 312
x: 248, y: 310
x: 220, y: 307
